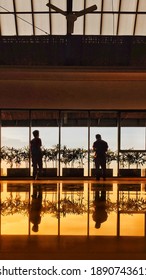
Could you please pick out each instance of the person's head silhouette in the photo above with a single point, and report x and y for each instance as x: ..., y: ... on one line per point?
x: 98, y: 136
x: 97, y: 224
x: 36, y: 133
x: 35, y: 228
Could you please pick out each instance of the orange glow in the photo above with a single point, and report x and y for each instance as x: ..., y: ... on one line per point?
x: 73, y: 212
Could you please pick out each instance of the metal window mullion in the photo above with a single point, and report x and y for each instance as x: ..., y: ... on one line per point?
x: 0, y: 141
x: 32, y: 14
x: 69, y: 11
x: 50, y: 18
x: 30, y: 128
x: 101, y: 20
x: 15, y: 16
x: 89, y: 134
x: 135, y: 22
x: 118, y: 22
x: 84, y: 18
x: 119, y: 139
x: 0, y: 174
x: 59, y: 142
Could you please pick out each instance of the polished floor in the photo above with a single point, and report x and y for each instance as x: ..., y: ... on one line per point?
x: 73, y: 219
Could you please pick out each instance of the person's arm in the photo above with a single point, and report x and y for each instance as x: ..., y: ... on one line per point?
x: 106, y: 147
x: 93, y: 147
x: 40, y: 143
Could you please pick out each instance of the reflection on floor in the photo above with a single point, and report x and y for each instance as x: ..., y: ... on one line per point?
x: 73, y: 220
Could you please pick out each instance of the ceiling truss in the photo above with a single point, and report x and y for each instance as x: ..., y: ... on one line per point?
x: 102, y: 14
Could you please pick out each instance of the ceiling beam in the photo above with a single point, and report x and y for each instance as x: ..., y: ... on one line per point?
x: 95, y: 12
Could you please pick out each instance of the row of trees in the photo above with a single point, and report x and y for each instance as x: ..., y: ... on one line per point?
x: 15, y: 157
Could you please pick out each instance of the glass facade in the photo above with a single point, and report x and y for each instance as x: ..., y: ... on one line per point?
x: 67, y: 140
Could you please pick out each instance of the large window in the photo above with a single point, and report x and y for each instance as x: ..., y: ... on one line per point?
x: 67, y: 140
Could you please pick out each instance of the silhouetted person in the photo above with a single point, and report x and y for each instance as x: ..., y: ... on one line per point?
x: 100, y: 147
x: 100, y: 213
x: 36, y: 154
x: 35, y: 208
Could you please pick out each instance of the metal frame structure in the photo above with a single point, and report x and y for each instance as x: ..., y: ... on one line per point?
x: 118, y: 11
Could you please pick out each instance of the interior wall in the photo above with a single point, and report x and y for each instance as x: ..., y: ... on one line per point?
x: 71, y: 89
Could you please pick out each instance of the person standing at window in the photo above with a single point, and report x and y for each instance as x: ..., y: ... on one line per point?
x: 36, y: 154
x: 100, y: 147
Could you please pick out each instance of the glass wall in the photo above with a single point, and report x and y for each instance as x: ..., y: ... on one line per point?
x: 132, y: 138
x: 67, y: 140
x: 133, y: 130
x: 106, y: 124
x: 47, y: 122
x: 74, y: 143
x: 14, y: 141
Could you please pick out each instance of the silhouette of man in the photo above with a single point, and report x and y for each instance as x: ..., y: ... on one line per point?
x: 36, y: 154
x: 100, y: 213
x: 35, y: 209
x: 100, y: 147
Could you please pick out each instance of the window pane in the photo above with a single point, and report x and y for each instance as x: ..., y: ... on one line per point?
x: 92, y: 24
x: 42, y: 26
x: 74, y: 140
x: 133, y: 138
x: 140, y: 25
x: 14, y: 139
x: 59, y: 25
x: 133, y: 130
x: 8, y: 25
x: 104, y: 123
x: 47, y: 123
x: 126, y: 24
x: 25, y: 25
x: 21, y: 7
